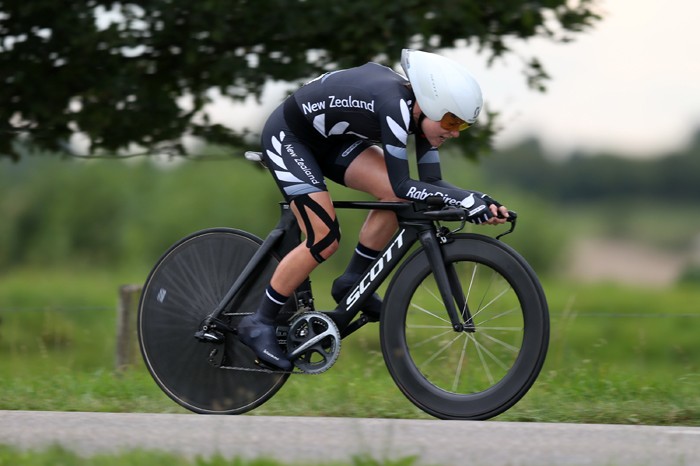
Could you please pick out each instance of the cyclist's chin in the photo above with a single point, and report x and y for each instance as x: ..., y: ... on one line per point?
x: 437, y: 141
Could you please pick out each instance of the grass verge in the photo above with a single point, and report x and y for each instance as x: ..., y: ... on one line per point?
x: 617, y: 355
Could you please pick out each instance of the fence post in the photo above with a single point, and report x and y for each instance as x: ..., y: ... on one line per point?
x: 127, y: 345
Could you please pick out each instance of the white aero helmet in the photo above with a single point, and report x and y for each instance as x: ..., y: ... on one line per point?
x: 442, y: 85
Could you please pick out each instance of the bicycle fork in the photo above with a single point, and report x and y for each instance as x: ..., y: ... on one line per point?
x: 448, y: 283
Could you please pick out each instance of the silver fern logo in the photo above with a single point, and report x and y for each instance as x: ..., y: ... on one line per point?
x: 400, y: 132
x: 282, y: 173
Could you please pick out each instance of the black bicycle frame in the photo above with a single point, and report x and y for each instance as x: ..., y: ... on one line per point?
x: 416, y: 223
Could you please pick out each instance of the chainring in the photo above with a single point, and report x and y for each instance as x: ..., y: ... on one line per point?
x: 313, y: 342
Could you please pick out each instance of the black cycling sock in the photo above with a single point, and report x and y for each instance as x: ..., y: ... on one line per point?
x: 361, y: 259
x: 270, y: 305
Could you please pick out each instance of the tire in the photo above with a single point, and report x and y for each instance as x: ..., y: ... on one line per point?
x: 466, y: 375
x: 183, y: 288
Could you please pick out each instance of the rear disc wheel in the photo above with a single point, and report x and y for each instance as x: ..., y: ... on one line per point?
x: 183, y: 288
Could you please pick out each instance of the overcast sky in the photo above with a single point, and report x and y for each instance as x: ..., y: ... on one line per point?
x: 630, y: 85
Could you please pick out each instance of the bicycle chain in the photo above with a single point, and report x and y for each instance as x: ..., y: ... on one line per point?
x: 267, y: 371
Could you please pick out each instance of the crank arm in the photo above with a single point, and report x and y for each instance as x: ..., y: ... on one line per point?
x: 294, y: 354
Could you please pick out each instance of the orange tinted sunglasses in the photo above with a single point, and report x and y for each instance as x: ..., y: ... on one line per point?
x: 452, y: 122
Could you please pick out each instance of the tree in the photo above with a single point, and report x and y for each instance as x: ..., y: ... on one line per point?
x: 141, y: 72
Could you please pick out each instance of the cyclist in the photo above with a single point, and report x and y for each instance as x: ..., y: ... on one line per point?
x: 330, y: 128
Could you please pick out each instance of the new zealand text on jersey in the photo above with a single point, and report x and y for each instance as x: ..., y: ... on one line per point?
x: 337, y: 102
x: 349, y: 102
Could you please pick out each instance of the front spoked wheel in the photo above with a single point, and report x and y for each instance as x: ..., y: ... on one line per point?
x: 185, y: 286
x: 484, y: 370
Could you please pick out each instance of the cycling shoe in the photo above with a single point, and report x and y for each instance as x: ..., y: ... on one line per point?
x: 372, y: 306
x: 262, y: 339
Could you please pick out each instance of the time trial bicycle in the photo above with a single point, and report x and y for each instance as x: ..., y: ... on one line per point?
x: 464, y: 325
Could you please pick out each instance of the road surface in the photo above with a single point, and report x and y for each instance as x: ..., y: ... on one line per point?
x: 314, y: 440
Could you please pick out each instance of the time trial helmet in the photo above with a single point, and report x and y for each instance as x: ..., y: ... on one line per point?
x: 442, y: 85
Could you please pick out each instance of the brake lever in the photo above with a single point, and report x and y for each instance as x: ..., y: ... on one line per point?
x: 512, y: 218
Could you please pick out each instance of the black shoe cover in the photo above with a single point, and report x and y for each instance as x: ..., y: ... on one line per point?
x: 372, y: 306
x: 261, y: 338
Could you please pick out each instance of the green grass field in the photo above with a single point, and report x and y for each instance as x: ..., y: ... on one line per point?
x: 60, y: 456
x: 617, y: 355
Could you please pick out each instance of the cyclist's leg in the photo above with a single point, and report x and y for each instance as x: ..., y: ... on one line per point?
x: 367, y: 173
x: 365, y: 170
x: 317, y: 220
x: 300, y: 179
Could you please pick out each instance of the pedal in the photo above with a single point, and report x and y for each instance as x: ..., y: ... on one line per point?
x: 281, y: 333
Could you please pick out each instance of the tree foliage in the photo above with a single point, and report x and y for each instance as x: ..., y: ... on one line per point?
x: 142, y: 72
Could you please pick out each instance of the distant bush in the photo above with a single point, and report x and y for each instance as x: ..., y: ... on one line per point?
x: 690, y: 276
x: 598, y: 177
x: 111, y: 212
x: 114, y: 213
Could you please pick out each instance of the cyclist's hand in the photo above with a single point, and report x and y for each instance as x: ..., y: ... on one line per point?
x: 481, y: 208
x: 500, y: 214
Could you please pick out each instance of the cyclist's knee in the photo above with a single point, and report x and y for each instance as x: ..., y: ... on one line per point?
x: 331, y: 249
x: 389, y: 196
x: 328, y: 244
x: 323, y: 232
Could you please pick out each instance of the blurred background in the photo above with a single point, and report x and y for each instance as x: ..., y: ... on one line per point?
x: 124, y: 136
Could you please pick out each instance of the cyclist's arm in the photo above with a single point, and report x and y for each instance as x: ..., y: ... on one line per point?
x: 428, y: 159
x: 394, y: 129
x: 394, y: 134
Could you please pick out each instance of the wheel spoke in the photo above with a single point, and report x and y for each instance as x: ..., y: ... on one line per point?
x: 484, y: 307
x: 430, y: 339
x: 485, y: 292
x: 441, y: 327
x: 471, y: 283
x: 481, y: 350
x: 511, y: 348
x: 424, y: 310
x: 458, y: 371
x: 502, y: 329
x: 498, y: 316
x: 434, y: 295
x: 439, y: 351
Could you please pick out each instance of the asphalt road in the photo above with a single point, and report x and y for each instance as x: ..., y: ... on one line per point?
x: 313, y: 440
